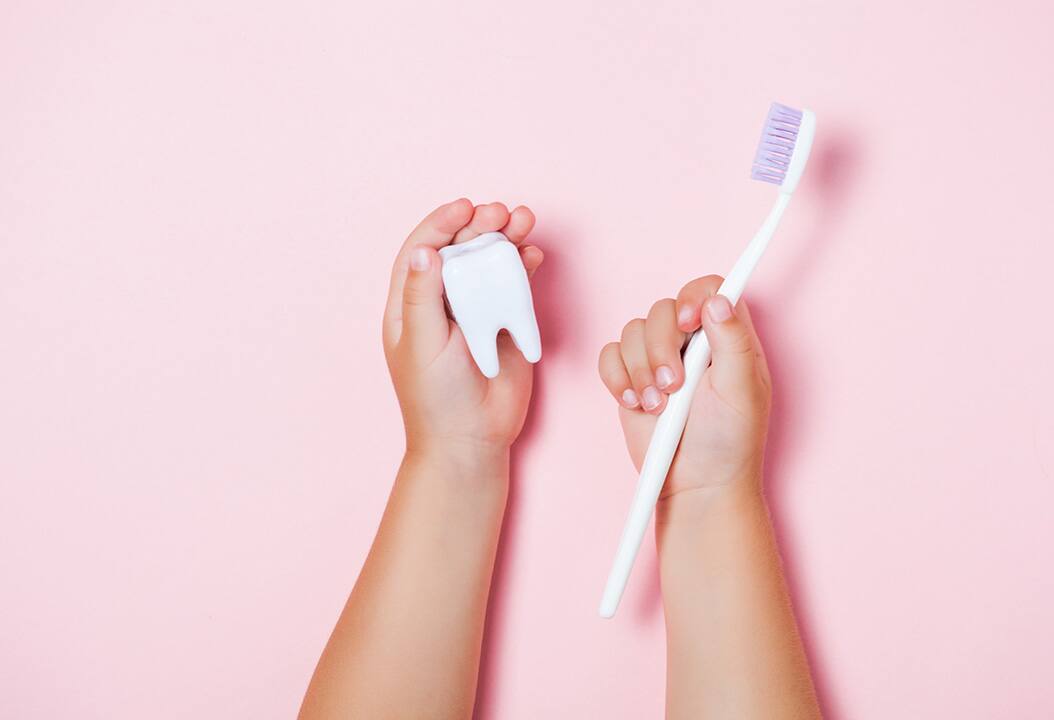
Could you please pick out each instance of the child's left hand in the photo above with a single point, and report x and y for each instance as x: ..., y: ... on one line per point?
x: 446, y: 402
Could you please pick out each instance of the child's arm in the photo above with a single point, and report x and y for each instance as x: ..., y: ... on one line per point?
x: 733, y: 650
x: 408, y: 641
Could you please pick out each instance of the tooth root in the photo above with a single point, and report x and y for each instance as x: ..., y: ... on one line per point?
x: 483, y: 346
x: 487, y: 288
x: 525, y: 334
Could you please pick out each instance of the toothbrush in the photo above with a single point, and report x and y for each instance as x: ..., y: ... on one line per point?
x: 781, y: 156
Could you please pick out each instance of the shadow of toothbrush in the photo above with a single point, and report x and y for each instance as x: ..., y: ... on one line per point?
x: 828, y: 185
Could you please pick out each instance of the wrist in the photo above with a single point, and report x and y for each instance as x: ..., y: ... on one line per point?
x: 692, y: 506
x: 456, y: 499
x: 477, y: 472
x: 463, y: 456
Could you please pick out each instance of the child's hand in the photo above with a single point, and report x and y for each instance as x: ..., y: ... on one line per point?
x: 392, y: 655
x: 724, y: 440
x: 447, y: 403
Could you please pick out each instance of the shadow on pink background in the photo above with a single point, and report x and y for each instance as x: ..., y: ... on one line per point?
x: 198, y: 209
x: 833, y: 167
x: 558, y: 323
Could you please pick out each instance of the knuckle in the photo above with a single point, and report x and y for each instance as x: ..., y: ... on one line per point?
x: 702, y: 286
x: 414, y: 296
x: 741, y: 344
x: 608, y: 354
x: 641, y: 377
x: 614, y: 382
x: 637, y: 366
x: 659, y: 307
x: 659, y: 348
x: 632, y: 329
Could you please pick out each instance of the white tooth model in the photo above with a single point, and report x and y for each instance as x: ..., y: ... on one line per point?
x: 487, y: 288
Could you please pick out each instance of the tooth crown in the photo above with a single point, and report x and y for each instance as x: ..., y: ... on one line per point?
x: 487, y: 289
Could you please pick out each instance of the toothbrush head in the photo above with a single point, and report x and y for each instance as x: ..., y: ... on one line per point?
x: 784, y: 148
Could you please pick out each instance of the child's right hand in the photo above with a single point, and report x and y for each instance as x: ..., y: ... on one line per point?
x: 724, y: 441
x: 447, y: 403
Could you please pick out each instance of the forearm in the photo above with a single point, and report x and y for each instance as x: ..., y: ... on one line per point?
x: 408, y: 641
x: 733, y: 650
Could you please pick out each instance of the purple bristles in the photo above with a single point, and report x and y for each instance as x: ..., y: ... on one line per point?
x: 777, y: 144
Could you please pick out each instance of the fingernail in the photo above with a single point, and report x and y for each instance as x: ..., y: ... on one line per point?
x: 629, y: 398
x: 684, y: 317
x: 664, y: 376
x: 719, y: 309
x: 419, y: 259
x: 652, y: 398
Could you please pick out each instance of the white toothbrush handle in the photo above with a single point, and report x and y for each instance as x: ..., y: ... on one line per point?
x: 670, y: 425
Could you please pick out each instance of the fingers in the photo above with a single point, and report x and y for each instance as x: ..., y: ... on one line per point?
x: 645, y: 364
x: 457, y: 221
x: 734, y: 368
x: 614, y: 376
x: 435, y: 231
x: 425, y: 328
x: 439, y: 227
x: 690, y: 301
x: 532, y: 257
x: 486, y: 218
x: 635, y: 357
x: 663, y: 342
x: 738, y: 366
x: 647, y: 359
x: 521, y: 222
x: 516, y: 226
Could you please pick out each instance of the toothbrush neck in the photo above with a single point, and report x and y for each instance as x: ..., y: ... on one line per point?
x: 737, y: 278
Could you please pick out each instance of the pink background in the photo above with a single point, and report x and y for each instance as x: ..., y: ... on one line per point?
x: 199, y: 203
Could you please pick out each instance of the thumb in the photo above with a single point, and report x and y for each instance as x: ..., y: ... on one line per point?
x: 734, y: 348
x: 425, y: 327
